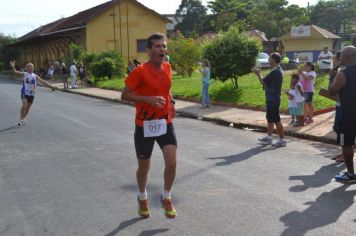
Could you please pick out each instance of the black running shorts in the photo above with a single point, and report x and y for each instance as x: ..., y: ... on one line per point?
x: 346, y: 137
x: 272, y: 114
x: 144, y: 146
x: 28, y: 98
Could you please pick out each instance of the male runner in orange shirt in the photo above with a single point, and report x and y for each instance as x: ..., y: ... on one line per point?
x: 149, y: 87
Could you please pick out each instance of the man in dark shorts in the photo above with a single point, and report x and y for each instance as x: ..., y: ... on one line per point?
x: 28, y: 89
x: 344, y: 84
x: 65, y: 76
x: 272, y: 84
x: 149, y: 87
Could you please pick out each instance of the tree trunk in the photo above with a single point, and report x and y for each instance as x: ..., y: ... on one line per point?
x: 234, y: 83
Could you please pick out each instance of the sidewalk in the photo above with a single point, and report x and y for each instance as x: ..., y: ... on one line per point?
x: 320, y: 130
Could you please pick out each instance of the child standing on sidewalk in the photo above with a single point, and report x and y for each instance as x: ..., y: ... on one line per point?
x: 299, y: 99
x: 292, y: 104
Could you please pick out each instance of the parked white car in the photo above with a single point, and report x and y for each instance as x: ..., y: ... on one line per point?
x: 262, y: 60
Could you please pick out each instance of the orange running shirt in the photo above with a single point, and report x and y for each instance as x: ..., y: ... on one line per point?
x: 148, y: 81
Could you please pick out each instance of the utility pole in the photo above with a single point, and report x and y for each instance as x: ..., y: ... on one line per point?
x: 120, y: 27
x: 113, y: 23
x: 127, y: 29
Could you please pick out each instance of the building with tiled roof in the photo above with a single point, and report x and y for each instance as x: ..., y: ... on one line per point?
x: 306, y: 42
x: 121, y: 25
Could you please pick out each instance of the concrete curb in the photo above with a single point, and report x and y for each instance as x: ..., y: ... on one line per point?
x: 246, y: 126
x: 256, y: 128
x: 96, y: 96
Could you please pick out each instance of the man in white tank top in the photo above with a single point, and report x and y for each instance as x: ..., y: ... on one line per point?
x: 28, y: 88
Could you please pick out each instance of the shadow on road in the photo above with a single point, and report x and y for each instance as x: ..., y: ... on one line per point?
x: 325, y: 210
x: 124, y: 225
x: 4, y: 131
x: 320, y: 178
x: 325, y: 150
x: 152, y: 232
x: 228, y: 160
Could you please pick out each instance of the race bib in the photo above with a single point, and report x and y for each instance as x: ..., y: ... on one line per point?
x: 154, y: 128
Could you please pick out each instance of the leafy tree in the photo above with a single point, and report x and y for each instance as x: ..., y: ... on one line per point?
x: 105, y: 67
x: 337, y: 16
x: 231, y: 55
x: 8, y: 53
x: 194, y: 17
x: 229, y: 12
x: 275, y: 18
x: 104, y: 64
x: 184, y: 54
x: 76, y: 52
x: 118, y: 60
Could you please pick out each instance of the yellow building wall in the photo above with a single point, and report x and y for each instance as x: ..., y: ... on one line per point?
x: 314, y: 42
x: 307, y: 44
x: 137, y: 23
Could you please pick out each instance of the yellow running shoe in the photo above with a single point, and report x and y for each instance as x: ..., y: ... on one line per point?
x: 143, y: 209
x: 168, y: 207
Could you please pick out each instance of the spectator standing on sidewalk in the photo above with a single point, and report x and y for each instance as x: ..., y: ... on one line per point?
x: 82, y: 74
x: 51, y: 72
x: 292, y: 102
x: 205, y: 71
x: 325, y: 60
x: 130, y: 67
x: 344, y: 84
x: 73, y: 75
x: 149, y: 86
x: 336, y: 126
x: 308, y: 79
x: 272, y: 84
x: 28, y: 90
x: 65, y: 76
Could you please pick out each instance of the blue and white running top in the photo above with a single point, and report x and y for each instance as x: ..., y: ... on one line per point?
x: 28, y: 84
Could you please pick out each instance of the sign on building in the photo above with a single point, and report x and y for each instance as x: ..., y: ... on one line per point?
x: 300, y: 31
x: 304, y: 56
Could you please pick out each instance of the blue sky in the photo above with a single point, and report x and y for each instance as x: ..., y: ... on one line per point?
x: 18, y: 17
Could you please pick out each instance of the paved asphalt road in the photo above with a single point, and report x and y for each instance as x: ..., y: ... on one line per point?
x: 71, y: 171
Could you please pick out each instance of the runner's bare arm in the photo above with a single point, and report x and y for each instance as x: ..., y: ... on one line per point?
x: 337, y: 84
x: 42, y: 81
x: 173, y: 111
x: 155, y: 101
x: 16, y: 72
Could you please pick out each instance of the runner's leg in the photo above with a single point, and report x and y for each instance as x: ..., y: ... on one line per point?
x: 23, y: 108
x: 27, y: 109
x: 169, y: 154
x: 142, y: 174
x: 348, y: 153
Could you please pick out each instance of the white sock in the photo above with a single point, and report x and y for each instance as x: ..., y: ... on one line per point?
x: 166, y: 194
x: 142, y: 196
